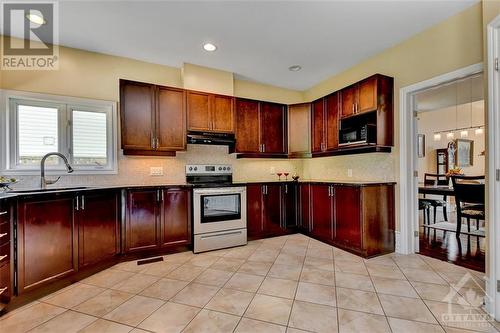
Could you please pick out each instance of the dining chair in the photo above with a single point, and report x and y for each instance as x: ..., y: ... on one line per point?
x: 470, y: 201
x: 431, y: 179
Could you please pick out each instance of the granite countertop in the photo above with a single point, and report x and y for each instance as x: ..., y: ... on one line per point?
x: 9, y: 194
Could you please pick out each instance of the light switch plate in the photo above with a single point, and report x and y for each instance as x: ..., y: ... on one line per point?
x: 349, y: 172
x: 156, y: 171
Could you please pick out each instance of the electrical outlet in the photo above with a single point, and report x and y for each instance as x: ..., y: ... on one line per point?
x: 272, y: 170
x: 349, y: 173
x: 156, y: 171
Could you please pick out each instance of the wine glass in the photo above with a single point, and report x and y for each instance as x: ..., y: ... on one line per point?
x: 279, y: 175
x: 286, y: 173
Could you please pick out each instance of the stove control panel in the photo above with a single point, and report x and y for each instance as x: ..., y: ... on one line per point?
x: 209, y: 169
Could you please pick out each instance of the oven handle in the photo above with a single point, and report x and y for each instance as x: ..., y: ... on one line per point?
x: 222, y: 234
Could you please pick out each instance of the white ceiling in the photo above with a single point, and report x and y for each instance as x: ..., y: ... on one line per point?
x: 257, y: 40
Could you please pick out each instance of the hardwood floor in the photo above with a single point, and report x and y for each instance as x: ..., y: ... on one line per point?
x: 465, y: 252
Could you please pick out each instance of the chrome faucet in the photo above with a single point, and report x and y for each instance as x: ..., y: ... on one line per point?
x: 44, y: 182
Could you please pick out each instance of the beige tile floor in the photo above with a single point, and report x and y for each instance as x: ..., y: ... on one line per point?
x: 285, y: 284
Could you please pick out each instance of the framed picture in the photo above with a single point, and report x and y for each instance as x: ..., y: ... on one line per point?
x: 421, y: 145
x: 465, y: 153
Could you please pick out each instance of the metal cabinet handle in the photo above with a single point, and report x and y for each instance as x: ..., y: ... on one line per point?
x: 353, y: 108
x: 3, y: 257
x: 82, y: 198
x: 152, y: 142
x: 161, y: 194
x: 263, y: 147
x: 3, y: 290
x: 3, y: 213
x: 77, y: 203
x: 157, y: 143
x: 3, y: 235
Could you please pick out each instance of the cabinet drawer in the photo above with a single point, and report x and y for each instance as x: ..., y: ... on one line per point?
x: 4, y: 253
x: 4, y: 233
x: 5, y: 283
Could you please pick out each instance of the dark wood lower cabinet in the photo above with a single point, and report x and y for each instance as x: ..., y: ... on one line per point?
x: 175, y: 217
x: 157, y: 218
x: 98, y: 226
x: 356, y: 217
x: 47, y: 240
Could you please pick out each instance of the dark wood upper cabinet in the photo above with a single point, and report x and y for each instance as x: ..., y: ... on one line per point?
x: 170, y: 119
x: 152, y: 119
x: 273, y: 128
x: 247, y: 126
x: 137, y: 111
x: 349, y: 99
x: 318, y: 126
x: 332, y: 121
x: 142, y: 220
x: 324, y: 124
x: 210, y: 113
x: 176, y: 217
x: 198, y: 105
x: 371, y: 94
x: 261, y: 128
x: 223, y: 114
x: 47, y: 241
x: 98, y: 226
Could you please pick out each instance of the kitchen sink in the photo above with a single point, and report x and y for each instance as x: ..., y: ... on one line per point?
x: 37, y: 190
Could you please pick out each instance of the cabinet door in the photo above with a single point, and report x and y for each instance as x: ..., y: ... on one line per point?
x: 137, y: 111
x: 255, y: 223
x: 290, y: 202
x: 317, y: 126
x: 367, y: 95
x: 273, y: 125
x: 170, y: 119
x: 198, y: 106
x: 223, y: 114
x: 304, y: 206
x: 176, y: 217
x: 321, y: 212
x: 272, y: 208
x: 142, y: 226
x: 98, y: 227
x: 347, y: 216
x: 247, y: 126
x: 47, y: 240
x: 332, y: 121
x: 299, y: 118
x: 348, y: 100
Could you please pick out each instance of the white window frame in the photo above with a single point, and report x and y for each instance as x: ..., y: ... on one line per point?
x: 66, y: 105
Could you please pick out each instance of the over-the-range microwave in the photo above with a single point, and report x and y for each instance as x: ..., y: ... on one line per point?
x: 364, y: 134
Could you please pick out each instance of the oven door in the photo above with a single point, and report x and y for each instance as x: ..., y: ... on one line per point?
x: 218, y: 209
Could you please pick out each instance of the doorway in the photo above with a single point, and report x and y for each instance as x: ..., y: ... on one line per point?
x: 450, y: 158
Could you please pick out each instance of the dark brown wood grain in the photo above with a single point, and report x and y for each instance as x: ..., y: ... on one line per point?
x: 247, y: 126
x: 255, y: 223
x: 347, y: 226
x: 170, y: 119
x: 98, y: 226
x: 321, y: 213
x: 318, y: 126
x: 273, y: 128
x: 332, y: 110
x: 198, y: 106
x: 176, y: 217
x: 222, y: 114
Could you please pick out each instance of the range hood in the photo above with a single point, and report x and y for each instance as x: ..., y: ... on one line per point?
x: 217, y: 139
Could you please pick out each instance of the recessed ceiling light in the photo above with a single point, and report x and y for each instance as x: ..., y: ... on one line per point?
x: 295, y: 68
x: 35, y: 18
x: 209, y: 47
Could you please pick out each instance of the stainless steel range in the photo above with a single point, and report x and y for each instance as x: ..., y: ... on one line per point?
x: 219, y: 208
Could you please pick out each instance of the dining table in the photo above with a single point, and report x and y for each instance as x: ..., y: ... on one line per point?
x: 444, y: 190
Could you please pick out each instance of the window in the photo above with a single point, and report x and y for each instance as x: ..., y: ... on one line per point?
x: 82, y: 130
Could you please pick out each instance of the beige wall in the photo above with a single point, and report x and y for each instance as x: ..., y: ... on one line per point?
x: 92, y: 75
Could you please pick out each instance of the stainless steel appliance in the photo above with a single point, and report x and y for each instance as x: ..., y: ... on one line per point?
x: 358, y: 135
x: 219, y: 208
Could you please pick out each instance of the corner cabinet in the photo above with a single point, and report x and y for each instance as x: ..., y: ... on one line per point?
x: 153, y: 119
x: 357, y: 218
x: 261, y: 129
x: 325, y: 124
x: 210, y: 112
x: 156, y: 218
